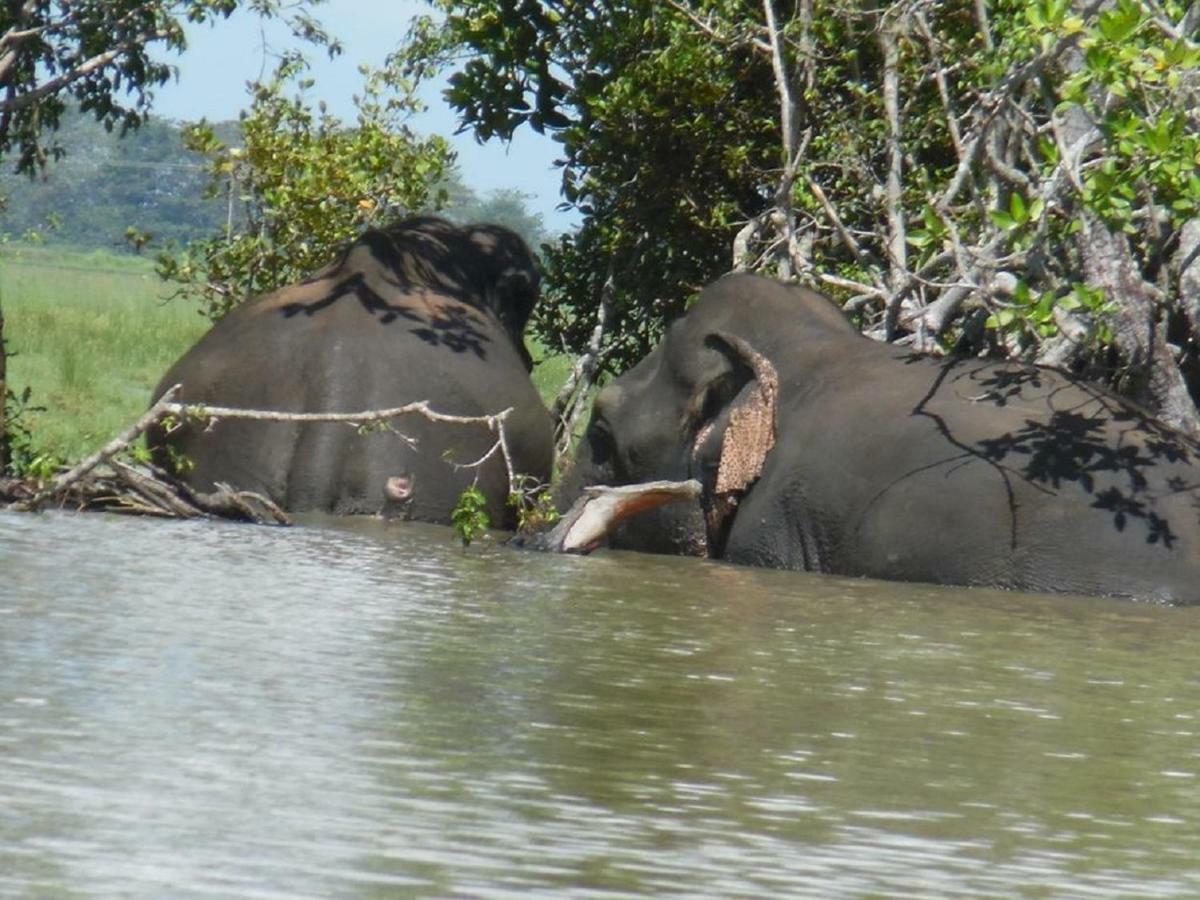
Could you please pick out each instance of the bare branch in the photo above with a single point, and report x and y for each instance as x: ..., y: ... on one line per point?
x: 988, y: 108
x: 569, y: 404
x: 789, y: 131
x: 844, y: 233
x: 940, y: 77
x: 161, y: 494
x: 744, y: 38
x: 982, y: 23
x: 897, y: 239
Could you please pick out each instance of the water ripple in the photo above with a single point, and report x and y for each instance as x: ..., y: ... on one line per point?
x: 353, y: 707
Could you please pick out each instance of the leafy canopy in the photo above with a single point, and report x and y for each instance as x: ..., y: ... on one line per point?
x: 943, y: 167
x: 98, y: 53
x: 640, y: 105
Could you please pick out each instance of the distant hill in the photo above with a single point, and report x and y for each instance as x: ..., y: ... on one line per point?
x: 106, y: 183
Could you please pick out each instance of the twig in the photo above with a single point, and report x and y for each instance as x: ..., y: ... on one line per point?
x: 569, y: 403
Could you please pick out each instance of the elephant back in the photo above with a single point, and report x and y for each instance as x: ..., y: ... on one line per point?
x: 398, y: 318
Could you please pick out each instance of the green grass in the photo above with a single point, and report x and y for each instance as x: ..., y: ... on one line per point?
x: 549, y: 372
x: 91, y: 334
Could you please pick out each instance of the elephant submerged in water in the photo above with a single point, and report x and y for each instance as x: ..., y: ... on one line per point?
x: 820, y: 450
x: 422, y: 310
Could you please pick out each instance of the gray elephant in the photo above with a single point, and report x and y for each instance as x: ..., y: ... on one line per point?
x: 422, y: 310
x: 821, y: 450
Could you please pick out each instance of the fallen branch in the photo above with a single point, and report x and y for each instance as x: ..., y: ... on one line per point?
x: 494, y: 422
x: 102, y: 481
x: 119, y: 444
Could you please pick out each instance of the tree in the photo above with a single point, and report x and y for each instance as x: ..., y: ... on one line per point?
x: 300, y: 183
x: 1014, y: 177
x: 97, y: 53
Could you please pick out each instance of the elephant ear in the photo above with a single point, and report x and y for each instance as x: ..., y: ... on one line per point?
x: 750, y: 433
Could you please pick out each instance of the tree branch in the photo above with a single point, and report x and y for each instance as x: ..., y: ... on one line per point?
x: 897, y: 239
x: 789, y: 132
x: 569, y: 403
x: 165, y: 495
x: 20, y: 101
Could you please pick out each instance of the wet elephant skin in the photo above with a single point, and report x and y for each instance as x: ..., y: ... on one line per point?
x: 886, y: 464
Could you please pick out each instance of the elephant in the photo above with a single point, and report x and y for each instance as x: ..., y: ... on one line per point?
x: 821, y: 450
x: 422, y: 310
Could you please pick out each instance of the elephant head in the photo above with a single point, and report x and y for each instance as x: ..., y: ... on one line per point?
x: 507, y: 275
x: 704, y: 405
x: 487, y: 266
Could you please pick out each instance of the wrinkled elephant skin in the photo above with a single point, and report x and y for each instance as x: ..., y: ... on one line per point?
x: 821, y: 450
x: 423, y: 310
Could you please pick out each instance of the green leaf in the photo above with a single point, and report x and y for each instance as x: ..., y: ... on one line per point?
x: 1016, y: 206
x: 470, y: 518
x: 1002, y: 220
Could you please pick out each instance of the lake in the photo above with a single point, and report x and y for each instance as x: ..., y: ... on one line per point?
x: 363, y: 709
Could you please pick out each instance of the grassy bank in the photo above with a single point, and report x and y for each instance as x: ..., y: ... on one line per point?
x: 91, y: 334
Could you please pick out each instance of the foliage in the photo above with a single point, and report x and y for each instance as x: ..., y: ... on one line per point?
x: 529, y: 498
x: 1007, y: 177
x: 22, y: 459
x: 100, y: 55
x: 470, y: 518
x: 301, y: 183
x: 636, y: 103
x: 533, y: 504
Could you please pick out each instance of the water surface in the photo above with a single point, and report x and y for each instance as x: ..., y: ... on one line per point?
x: 362, y: 709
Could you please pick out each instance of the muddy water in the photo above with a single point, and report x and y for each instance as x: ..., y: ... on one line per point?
x: 360, y: 709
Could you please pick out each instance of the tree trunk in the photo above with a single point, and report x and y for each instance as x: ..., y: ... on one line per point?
x: 1138, y: 327
x: 1141, y: 312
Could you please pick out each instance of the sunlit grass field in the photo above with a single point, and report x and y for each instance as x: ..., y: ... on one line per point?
x: 92, y: 333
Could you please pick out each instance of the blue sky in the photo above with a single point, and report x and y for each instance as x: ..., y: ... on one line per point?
x: 220, y: 60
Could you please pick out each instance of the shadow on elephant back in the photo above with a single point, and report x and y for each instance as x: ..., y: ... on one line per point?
x: 420, y: 311
x: 817, y: 449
